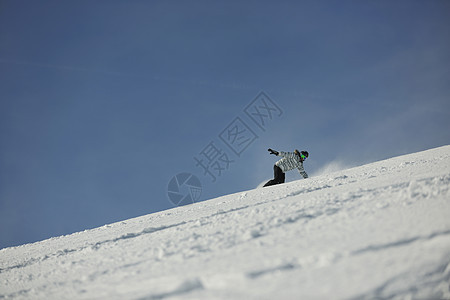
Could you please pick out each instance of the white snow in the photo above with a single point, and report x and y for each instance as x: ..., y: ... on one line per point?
x: 380, y: 230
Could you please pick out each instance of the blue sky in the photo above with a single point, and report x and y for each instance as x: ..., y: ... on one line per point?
x: 103, y: 102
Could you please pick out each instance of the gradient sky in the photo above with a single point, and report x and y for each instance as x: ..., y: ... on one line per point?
x: 103, y: 102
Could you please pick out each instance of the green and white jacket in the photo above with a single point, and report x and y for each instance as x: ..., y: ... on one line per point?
x: 289, y: 162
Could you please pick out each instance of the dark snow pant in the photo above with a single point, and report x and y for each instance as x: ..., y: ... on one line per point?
x: 278, y: 177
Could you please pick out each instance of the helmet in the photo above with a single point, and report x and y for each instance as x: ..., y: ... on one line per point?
x: 303, y: 155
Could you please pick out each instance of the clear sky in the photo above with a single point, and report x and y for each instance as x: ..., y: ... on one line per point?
x: 103, y: 102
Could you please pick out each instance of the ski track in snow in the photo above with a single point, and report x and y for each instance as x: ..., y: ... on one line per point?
x: 377, y: 231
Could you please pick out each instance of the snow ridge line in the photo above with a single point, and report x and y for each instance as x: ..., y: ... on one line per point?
x: 283, y: 267
x: 186, y: 287
x: 432, y: 279
x: 291, y: 194
x: 400, y: 242
x: 94, y: 246
x: 134, y: 235
x: 16, y: 294
x: 443, y: 270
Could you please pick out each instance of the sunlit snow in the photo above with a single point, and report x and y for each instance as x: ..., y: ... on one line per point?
x: 380, y: 230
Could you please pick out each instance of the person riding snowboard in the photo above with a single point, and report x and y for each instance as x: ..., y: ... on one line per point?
x: 290, y: 161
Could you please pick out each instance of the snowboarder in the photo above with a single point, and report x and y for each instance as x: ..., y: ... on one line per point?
x: 290, y: 161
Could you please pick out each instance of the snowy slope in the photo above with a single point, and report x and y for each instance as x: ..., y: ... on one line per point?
x: 379, y: 230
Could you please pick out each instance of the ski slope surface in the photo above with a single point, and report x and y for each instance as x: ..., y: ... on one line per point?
x: 380, y: 230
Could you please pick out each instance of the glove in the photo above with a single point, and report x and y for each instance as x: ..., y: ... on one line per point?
x: 273, y: 152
